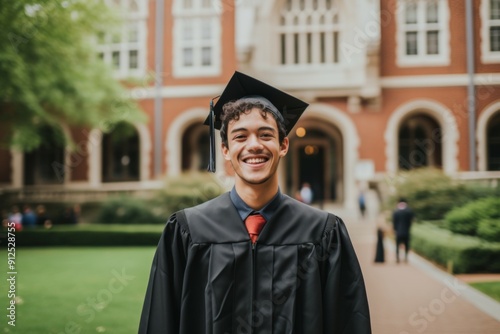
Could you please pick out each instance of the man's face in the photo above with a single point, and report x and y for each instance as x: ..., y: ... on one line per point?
x: 253, y: 147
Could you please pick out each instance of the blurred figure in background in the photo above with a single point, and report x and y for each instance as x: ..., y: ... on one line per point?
x: 381, y: 220
x: 29, y: 217
x: 71, y: 214
x: 16, y: 217
x: 379, y: 253
x: 41, y: 217
x: 306, y: 193
x: 362, y: 203
x: 402, y: 218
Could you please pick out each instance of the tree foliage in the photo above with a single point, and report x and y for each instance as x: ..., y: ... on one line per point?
x: 50, y: 73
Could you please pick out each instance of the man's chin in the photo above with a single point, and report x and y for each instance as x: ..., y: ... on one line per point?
x: 254, y: 179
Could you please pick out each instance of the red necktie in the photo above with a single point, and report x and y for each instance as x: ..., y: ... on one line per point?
x: 254, y: 224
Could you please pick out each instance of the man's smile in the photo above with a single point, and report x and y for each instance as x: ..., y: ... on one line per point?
x: 255, y: 161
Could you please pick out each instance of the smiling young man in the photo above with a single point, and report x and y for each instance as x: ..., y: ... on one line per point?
x: 254, y: 146
x: 254, y: 260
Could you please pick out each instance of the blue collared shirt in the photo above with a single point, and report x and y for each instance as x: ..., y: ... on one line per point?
x: 244, y: 210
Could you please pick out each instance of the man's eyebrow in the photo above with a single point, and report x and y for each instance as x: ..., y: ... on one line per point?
x: 270, y: 128
x: 262, y: 128
x: 238, y: 130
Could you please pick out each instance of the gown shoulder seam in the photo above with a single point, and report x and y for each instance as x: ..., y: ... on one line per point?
x: 182, y: 220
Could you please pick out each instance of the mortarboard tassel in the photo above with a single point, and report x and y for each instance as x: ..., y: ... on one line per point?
x: 211, y: 120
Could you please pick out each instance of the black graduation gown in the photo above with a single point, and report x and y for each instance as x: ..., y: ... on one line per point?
x: 302, y: 276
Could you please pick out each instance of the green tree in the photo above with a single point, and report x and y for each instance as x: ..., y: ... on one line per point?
x: 50, y: 73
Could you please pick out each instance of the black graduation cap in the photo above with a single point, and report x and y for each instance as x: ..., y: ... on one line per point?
x: 241, y: 86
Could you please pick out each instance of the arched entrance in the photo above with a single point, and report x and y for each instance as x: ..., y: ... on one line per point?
x: 120, y: 154
x: 433, y: 116
x: 195, y: 148
x: 316, y: 157
x: 419, y: 142
x: 45, y: 164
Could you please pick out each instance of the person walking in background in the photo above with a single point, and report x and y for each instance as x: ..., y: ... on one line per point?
x: 306, y: 193
x: 402, y: 218
x: 362, y: 203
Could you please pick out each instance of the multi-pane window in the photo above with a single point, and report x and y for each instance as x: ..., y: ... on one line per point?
x: 422, y: 27
x: 309, y: 32
x: 124, y: 49
x: 494, y: 26
x: 423, y: 31
x: 490, y: 31
x: 196, y: 38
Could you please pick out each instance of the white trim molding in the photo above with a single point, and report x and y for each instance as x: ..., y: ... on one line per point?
x: 439, y: 80
x: 94, y: 149
x: 445, y: 119
x: 350, y: 140
x: 17, y: 168
x: 171, y: 92
x: 481, y: 135
x: 146, y: 147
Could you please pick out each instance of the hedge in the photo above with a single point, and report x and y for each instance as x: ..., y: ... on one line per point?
x: 489, y: 229
x: 431, y: 193
x: 466, y: 254
x: 92, y: 235
x: 179, y: 193
x: 466, y: 219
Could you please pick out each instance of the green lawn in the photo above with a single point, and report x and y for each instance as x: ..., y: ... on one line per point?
x: 78, y: 290
x: 491, y: 289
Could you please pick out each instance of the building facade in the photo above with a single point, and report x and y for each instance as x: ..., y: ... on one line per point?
x: 389, y: 84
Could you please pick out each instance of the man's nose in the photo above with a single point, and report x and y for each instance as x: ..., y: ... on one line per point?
x: 254, y: 143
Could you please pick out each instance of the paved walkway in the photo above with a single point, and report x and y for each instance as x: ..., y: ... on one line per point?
x: 417, y: 297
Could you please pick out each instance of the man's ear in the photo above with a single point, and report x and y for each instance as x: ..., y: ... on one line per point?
x: 225, y: 152
x: 284, y: 147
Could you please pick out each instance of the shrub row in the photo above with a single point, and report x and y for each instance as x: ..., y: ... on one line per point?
x: 179, y: 193
x: 468, y: 218
x: 466, y: 254
x: 86, y: 237
x: 129, y: 210
x: 489, y: 229
x: 431, y: 193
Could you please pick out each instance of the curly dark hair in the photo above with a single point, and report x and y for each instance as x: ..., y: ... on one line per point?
x: 233, y: 110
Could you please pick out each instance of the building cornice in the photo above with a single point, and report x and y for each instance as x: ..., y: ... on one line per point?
x: 440, y: 80
x: 184, y: 91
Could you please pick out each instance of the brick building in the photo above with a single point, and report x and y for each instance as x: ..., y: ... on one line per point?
x: 387, y: 81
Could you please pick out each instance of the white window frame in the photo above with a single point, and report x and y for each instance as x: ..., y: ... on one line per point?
x: 487, y: 56
x: 197, y: 13
x: 309, y: 30
x: 422, y: 58
x: 139, y: 19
